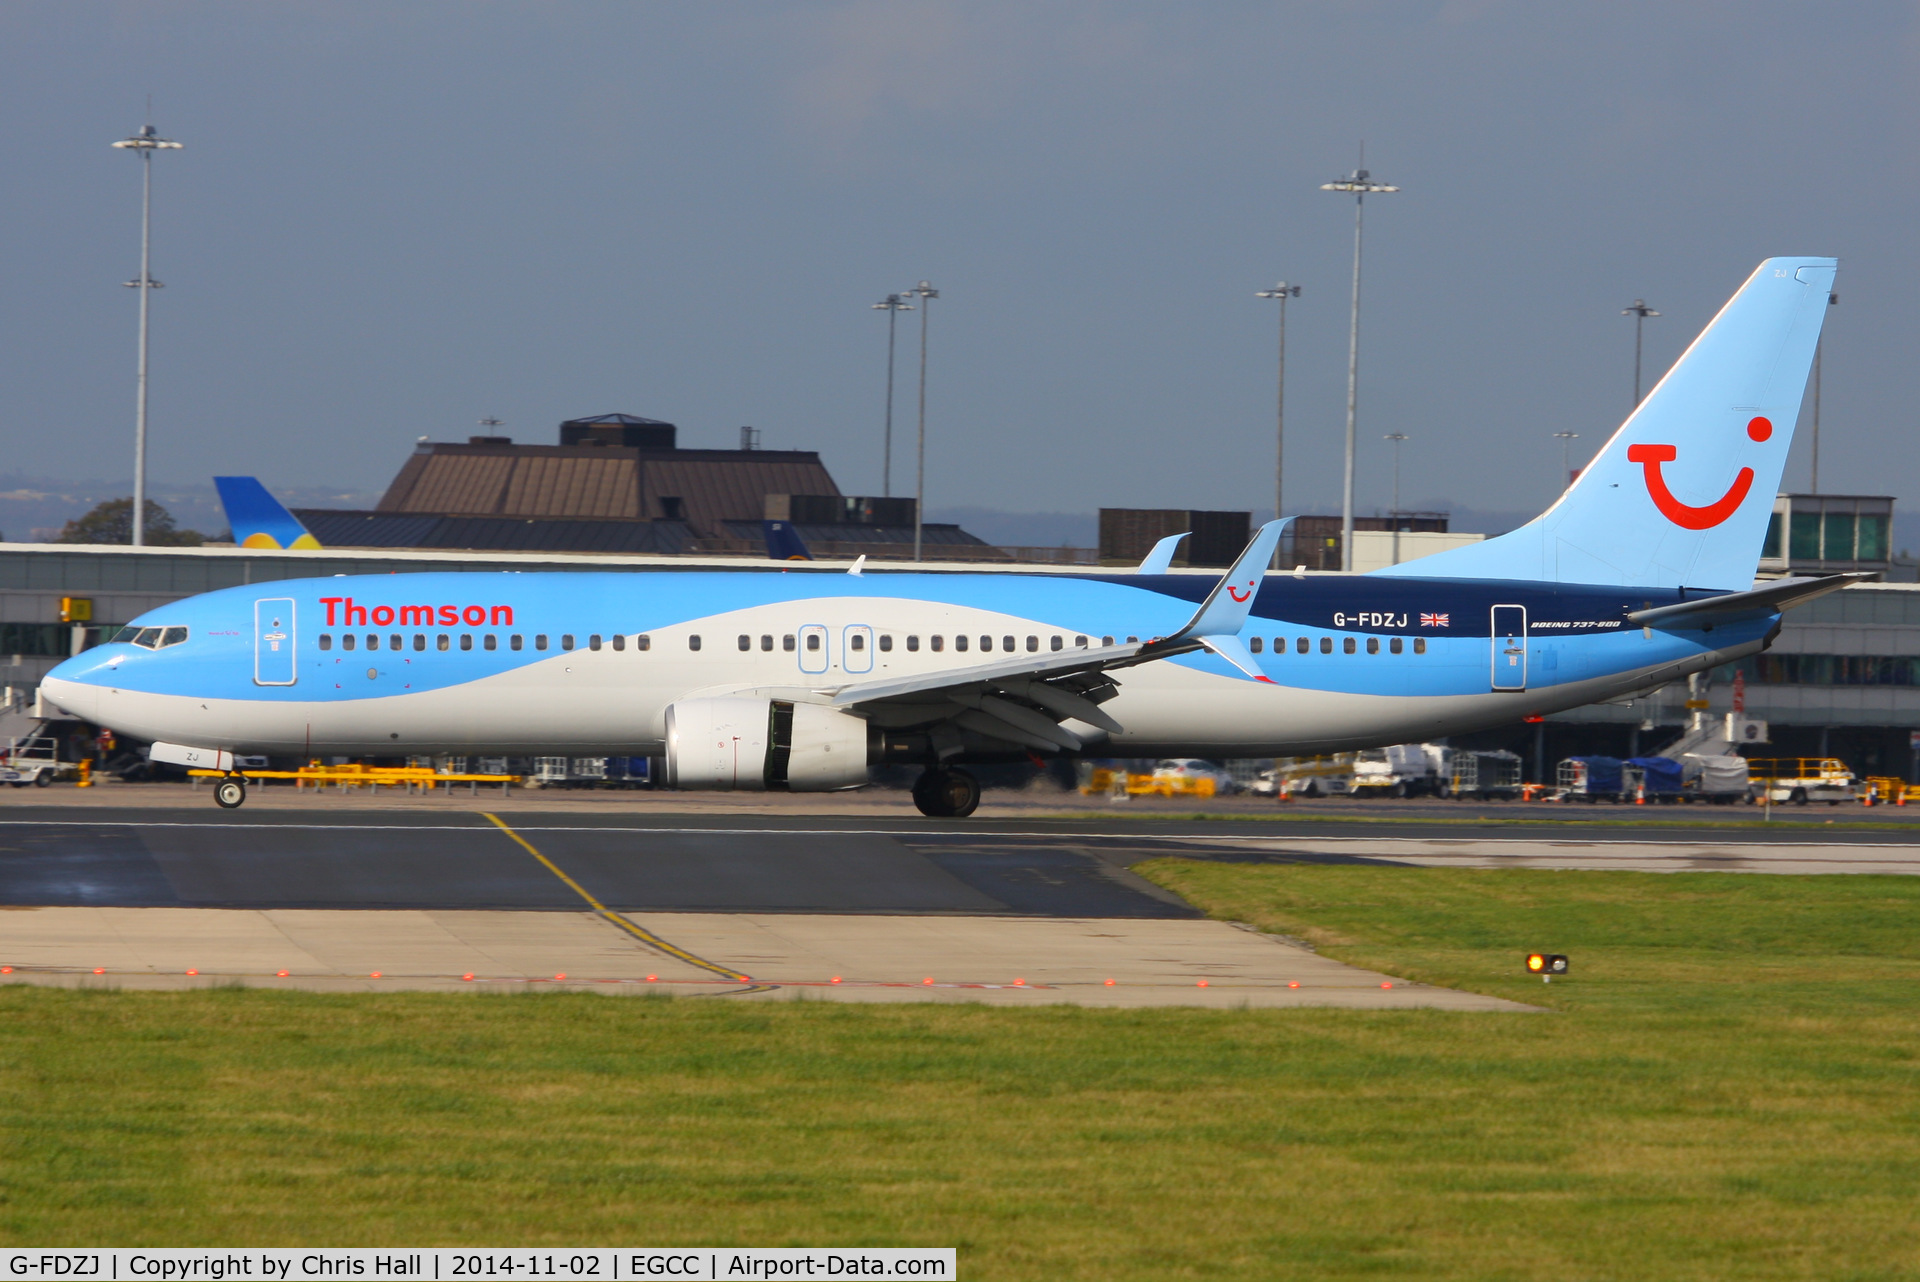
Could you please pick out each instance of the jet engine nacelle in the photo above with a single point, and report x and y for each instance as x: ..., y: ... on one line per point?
x: 758, y: 745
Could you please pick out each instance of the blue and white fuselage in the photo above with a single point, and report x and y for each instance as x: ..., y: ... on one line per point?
x: 1641, y: 573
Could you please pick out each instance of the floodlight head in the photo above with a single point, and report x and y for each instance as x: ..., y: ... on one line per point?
x: 148, y: 141
x: 1360, y: 182
x: 1639, y: 309
x: 924, y: 290
x: 1282, y: 290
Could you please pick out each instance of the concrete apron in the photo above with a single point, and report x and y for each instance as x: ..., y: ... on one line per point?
x: 1016, y: 961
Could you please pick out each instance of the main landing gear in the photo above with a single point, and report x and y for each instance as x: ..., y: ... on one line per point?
x: 230, y: 793
x: 945, y: 793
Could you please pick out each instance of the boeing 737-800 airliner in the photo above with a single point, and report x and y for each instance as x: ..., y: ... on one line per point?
x: 800, y: 679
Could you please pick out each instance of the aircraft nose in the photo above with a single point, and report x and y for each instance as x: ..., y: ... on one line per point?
x: 77, y: 697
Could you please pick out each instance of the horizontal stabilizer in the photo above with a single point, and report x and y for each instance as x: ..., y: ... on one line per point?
x: 1772, y: 599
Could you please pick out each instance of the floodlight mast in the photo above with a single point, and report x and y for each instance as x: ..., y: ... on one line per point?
x: 1566, y: 440
x: 1640, y: 312
x: 892, y: 305
x: 926, y: 293
x: 1361, y: 184
x: 1283, y: 291
x: 145, y: 142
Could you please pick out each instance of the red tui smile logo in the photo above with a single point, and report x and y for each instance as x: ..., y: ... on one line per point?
x: 1238, y: 595
x: 1684, y: 515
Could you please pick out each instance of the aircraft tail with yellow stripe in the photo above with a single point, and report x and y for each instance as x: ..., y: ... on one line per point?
x: 258, y: 519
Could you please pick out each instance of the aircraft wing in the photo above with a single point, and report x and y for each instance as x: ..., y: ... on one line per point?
x: 1781, y: 595
x: 1022, y: 700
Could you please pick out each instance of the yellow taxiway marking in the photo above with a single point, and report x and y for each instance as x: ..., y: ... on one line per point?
x: 646, y: 937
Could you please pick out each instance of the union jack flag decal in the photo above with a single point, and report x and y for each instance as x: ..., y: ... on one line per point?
x: 1434, y: 621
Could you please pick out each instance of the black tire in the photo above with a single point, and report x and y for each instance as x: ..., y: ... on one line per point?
x: 44, y: 779
x: 230, y: 794
x: 1400, y: 791
x: 1798, y: 796
x: 20, y: 783
x: 946, y: 794
x: 1312, y: 790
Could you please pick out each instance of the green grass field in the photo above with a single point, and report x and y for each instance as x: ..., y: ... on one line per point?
x: 1728, y: 1087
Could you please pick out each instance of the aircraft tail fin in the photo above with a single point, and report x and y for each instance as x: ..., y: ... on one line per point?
x: 258, y: 519
x: 784, y: 542
x: 1680, y: 496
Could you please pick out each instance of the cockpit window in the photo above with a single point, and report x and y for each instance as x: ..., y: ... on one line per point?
x: 152, y: 638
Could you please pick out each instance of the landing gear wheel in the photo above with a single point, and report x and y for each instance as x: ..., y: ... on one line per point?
x: 946, y: 794
x: 230, y: 794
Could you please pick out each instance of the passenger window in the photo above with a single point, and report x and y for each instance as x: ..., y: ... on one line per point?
x: 1006, y: 643
x: 766, y: 641
x: 443, y: 642
x: 466, y: 640
x: 1373, y: 645
x: 693, y: 641
x: 419, y: 640
x: 373, y: 641
x: 959, y: 643
x: 1058, y: 644
x: 516, y: 642
x: 593, y: 642
x: 1419, y: 645
x: 1033, y: 643
x: 641, y: 642
x: 346, y: 640
x: 490, y: 642
x: 886, y: 642
x: 1106, y: 640
x: 1326, y: 645
x: 937, y: 643
x: 566, y: 641
x: 859, y: 641
x: 913, y: 643
x: 786, y: 643
x: 173, y: 636
x: 1133, y: 640
x: 1301, y: 645
x: 1346, y: 645
x: 813, y: 640
x: 539, y: 641
x: 1081, y: 642
x: 1279, y: 645
x: 619, y: 642
x: 746, y: 642
x: 1396, y: 645
x: 1253, y: 644
x: 326, y: 641
x: 396, y: 642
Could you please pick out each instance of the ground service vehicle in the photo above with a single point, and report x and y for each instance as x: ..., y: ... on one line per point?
x: 1402, y: 770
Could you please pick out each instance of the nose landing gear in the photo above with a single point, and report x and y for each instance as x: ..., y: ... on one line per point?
x: 943, y: 793
x: 230, y: 793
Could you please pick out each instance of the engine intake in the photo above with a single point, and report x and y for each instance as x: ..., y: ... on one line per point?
x: 764, y: 745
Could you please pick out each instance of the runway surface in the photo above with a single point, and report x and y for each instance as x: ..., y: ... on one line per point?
x: 750, y: 906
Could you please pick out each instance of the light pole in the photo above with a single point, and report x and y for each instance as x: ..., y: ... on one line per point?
x: 1813, y: 482
x: 1639, y: 311
x: 1393, y: 517
x: 892, y: 305
x: 1283, y: 292
x: 1361, y: 184
x: 1566, y: 440
x: 926, y: 293
x: 146, y: 142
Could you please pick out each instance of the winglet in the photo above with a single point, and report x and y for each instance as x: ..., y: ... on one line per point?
x: 1226, y: 608
x: 1160, y: 559
x: 257, y: 518
x: 859, y: 567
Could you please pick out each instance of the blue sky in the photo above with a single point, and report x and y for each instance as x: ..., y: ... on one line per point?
x: 392, y: 220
